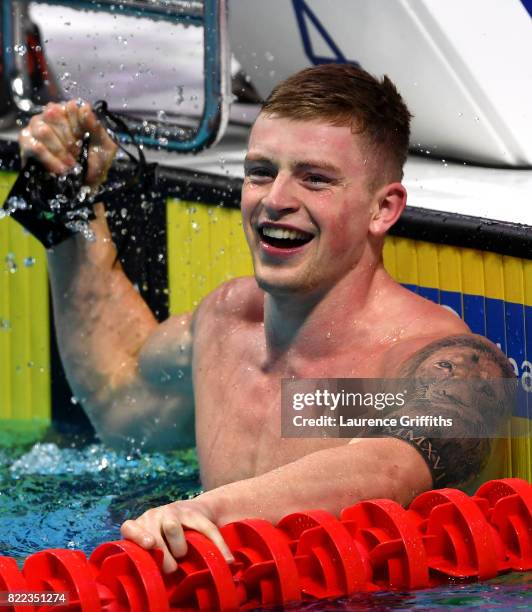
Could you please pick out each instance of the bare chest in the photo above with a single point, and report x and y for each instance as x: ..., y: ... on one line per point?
x: 238, y: 406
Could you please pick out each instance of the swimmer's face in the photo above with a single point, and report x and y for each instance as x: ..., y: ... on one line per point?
x: 306, y: 205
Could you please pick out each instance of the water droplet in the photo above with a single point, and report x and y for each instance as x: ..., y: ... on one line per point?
x: 179, y: 97
x: 11, y: 264
x: 29, y: 262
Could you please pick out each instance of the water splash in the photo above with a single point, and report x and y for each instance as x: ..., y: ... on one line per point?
x: 13, y: 204
x: 60, y: 493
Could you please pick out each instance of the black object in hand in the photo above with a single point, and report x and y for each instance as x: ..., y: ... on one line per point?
x: 53, y: 207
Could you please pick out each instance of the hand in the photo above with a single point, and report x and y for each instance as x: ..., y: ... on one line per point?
x: 54, y: 137
x: 162, y: 528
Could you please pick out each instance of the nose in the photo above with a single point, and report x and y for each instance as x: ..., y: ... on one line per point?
x: 281, y: 197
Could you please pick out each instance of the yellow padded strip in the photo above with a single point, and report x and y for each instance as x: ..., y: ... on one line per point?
x: 427, y: 264
x: 25, y: 391
x: 449, y: 268
x: 406, y: 261
x: 494, y: 275
x: 5, y: 325
x: 472, y: 270
x: 206, y: 247
x: 513, y: 276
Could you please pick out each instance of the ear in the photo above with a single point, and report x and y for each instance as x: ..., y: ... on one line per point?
x: 389, y: 203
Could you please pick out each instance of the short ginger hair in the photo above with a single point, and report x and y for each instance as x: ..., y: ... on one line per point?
x: 345, y: 95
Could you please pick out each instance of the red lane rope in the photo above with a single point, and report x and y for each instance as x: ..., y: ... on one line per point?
x: 374, y: 545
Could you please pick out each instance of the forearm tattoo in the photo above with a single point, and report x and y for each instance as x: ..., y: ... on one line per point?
x: 456, y: 377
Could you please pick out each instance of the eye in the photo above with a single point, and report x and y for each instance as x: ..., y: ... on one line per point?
x: 445, y: 365
x: 259, y: 174
x: 317, y: 181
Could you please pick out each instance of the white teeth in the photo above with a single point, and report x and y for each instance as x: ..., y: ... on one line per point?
x: 274, y: 232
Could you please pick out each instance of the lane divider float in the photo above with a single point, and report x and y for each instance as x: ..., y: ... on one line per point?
x: 374, y: 545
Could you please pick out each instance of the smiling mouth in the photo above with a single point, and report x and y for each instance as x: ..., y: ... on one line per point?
x: 284, y: 238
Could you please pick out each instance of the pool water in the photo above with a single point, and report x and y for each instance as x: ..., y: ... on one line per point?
x: 63, y: 492
x: 67, y: 492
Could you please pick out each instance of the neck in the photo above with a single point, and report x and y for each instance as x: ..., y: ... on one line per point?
x: 319, y: 324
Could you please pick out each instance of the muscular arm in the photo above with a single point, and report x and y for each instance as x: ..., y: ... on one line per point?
x: 121, y: 364
x: 329, y: 479
x: 114, y: 352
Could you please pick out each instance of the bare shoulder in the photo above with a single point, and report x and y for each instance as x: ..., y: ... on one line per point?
x: 422, y: 314
x: 461, y: 355
x: 239, y: 298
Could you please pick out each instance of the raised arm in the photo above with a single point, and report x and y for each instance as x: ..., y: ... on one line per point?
x: 119, y: 361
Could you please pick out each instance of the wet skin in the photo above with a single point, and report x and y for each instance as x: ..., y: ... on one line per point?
x: 323, y: 309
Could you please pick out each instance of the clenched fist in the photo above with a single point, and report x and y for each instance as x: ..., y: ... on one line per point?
x: 55, y: 136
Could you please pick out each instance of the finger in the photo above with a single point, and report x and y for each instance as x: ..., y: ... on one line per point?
x: 44, y: 133
x: 89, y: 123
x: 131, y: 530
x: 134, y: 531
x: 169, y: 563
x: 175, y: 537
x: 102, y: 148
x: 56, y: 117
x: 32, y: 147
x: 72, y: 112
x: 203, y: 525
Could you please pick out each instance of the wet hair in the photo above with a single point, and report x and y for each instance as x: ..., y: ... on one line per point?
x: 344, y: 95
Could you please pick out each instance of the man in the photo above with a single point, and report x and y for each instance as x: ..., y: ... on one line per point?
x: 322, y: 187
